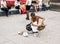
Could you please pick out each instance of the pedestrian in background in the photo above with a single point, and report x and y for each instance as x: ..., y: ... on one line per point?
x: 17, y: 4
x: 4, y: 7
x: 28, y: 6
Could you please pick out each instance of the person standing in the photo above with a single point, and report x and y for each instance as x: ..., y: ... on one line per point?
x: 28, y: 5
x: 17, y: 4
x: 35, y: 4
x: 40, y: 4
x: 4, y: 7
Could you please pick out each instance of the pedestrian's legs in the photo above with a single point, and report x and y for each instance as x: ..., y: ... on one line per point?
x: 7, y: 11
x: 27, y: 16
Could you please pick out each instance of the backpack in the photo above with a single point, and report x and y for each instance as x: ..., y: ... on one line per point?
x: 28, y: 27
x: 44, y: 8
x: 32, y: 9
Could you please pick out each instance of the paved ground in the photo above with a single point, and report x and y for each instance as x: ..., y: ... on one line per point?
x: 10, y: 26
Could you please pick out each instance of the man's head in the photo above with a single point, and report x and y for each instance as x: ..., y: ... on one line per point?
x: 32, y: 14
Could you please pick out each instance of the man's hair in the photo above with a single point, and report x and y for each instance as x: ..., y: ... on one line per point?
x: 32, y: 14
x: 18, y: 0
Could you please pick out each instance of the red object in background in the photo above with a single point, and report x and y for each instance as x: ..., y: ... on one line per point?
x: 10, y: 3
x: 23, y: 10
x: 23, y: 1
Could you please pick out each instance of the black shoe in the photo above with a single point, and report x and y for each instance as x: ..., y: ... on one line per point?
x: 27, y: 19
x: 7, y: 16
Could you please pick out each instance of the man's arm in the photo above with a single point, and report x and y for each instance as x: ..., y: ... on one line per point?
x: 42, y: 19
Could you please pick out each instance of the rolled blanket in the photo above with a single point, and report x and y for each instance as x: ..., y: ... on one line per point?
x: 41, y: 27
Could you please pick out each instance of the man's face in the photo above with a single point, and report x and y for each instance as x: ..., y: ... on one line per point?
x: 4, y: 0
x: 32, y: 16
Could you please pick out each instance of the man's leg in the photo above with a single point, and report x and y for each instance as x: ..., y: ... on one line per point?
x: 28, y: 8
x: 7, y: 11
x: 27, y: 16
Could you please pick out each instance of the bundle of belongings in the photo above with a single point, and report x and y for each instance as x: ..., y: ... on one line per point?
x: 41, y: 27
